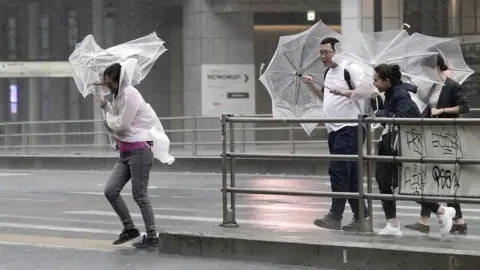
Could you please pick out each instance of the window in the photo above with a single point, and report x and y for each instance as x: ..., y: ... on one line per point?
x: 13, y: 98
x: 463, y: 17
x: 45, y: 35
x: 72, y: 29
x: 11, y: 38
x: 468, y: 12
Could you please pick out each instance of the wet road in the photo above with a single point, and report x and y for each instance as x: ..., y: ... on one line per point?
x: 43, y: 211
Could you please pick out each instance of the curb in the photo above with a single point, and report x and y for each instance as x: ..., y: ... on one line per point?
x: 350, y: 256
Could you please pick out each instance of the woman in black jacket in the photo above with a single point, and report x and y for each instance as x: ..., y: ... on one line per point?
x: 387, y: 79
x: 452, y: 102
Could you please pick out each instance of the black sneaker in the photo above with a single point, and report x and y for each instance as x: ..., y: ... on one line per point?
x: 459, y: 228
x: 127, y: 235
x: 328, y: 222
x: 146, y: 242
x: 418, y: 227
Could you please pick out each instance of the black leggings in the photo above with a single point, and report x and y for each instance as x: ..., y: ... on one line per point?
x: 386, y: 174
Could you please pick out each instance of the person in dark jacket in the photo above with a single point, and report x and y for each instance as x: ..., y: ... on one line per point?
x: 398, y: 103
x: 452, y: 102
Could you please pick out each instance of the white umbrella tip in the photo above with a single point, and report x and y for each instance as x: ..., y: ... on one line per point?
x: 406, y: 25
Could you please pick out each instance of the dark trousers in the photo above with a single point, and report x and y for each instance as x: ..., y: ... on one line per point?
x: 426, y: 213
x: 134, y: 165
x: 343, y: 174
x: 386, y: 174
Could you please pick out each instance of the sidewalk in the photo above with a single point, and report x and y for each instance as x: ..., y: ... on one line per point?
x: 329, y: 249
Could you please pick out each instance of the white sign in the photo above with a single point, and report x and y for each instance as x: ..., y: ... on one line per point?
x: 35, y: 69
x: 228, y: 89
x: 440, y: 141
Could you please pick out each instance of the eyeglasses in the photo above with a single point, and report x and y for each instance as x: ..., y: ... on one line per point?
x: 323, y: 52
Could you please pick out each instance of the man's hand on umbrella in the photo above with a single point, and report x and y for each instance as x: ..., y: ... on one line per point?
x: 307, y: 79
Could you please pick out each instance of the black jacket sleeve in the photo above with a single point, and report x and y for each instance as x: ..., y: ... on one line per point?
x: 401, y: 107
x: 461, y: 99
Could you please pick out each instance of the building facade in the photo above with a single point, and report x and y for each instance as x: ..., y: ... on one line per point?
x: 202, y: 36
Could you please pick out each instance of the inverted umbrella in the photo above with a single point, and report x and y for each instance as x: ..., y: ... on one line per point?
x: 388, y: 47
x: 295, y: 56
x: 450, y: 50
x: 89, y: 61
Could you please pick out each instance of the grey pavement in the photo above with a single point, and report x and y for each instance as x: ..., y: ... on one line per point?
x: 65, y: 210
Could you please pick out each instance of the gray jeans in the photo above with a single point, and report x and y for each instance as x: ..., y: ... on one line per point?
x: 133, y: 165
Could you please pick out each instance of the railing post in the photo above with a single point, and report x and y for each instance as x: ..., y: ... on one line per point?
x: 232, y: 170
x: 369, y: 177
x: 360, y: 164
x: 290, y: 138
x: 6, y: 137
x: 24, y: 137
x: 194, y: 134
x: 228, y: 221
x: 63, y: 131
x: 243, y: 137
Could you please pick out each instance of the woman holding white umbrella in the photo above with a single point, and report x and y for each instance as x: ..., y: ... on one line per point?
x: 138, y: 133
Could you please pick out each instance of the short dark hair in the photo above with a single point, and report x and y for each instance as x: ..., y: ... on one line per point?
x: 441, y: 63
x: 113, y: 72
x: 391, y: 72
x: 330, y: 40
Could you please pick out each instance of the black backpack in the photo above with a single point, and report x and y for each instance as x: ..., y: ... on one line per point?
x: 373, y: 101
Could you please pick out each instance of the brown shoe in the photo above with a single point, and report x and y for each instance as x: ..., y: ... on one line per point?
x: 419, y: 227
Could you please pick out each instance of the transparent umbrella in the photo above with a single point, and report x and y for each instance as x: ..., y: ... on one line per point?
x: 450, y: 50
x: 417, y: 64
x: 297, y: 55
x: 89, y: 61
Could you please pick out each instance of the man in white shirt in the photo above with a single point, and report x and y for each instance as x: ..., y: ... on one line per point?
x: 342, y: 137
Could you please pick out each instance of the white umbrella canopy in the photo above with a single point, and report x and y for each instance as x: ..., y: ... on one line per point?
x: 89, y: 61
x: 295, y: 56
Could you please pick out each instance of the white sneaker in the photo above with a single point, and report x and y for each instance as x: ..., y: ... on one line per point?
x: 446, y: 220
x: 390, y: 230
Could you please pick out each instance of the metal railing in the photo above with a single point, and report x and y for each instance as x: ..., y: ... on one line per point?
x: 189, y: 136
x: 229, y: 157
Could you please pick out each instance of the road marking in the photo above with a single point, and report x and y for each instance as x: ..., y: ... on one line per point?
x: 56, y: 228
x: 273, y: 223
x: 103, y: 194
x: 14, y: 174
x: 280, y: 207
x: 59, y: 242
x: 31, y: 200
x: 178, y: 209
x: 186, y: 188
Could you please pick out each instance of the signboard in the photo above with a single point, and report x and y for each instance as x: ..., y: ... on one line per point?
x: 228, y: 89
x: 35, y: 69
x: 440, y: 141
